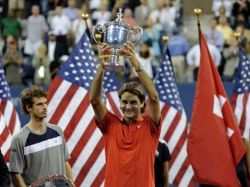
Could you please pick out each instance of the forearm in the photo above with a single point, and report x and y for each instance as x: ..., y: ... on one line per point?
x: 69, y: 173
x: 165, y: 173
x: 17, y: 180
x: 96, y: 89
x: 146, y: 81
x: 148, y: 85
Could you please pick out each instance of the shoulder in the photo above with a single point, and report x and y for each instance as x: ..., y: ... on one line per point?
x: 55, y: 127
x: 109, y: 116
x: 108, y: 119
x: 148, y: 119
x: 164, y: 150
x: 21, y: 136
x: 162, y: 143
x: 23, y: 131
x: 54, y: 131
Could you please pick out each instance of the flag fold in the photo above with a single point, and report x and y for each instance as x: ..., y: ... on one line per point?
x: 215, y: 145
x: 240, y: 100
x: 174, y: 124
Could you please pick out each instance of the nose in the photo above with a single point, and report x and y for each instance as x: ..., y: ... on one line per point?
x: 128, y: 106
x: 45, y: 106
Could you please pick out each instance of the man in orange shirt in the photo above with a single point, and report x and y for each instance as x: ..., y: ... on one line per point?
x: 131, y: 142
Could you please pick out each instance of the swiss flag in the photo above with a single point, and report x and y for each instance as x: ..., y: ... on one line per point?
x: 215, y: 145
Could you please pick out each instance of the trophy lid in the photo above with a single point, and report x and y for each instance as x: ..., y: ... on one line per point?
x: 119, y: 15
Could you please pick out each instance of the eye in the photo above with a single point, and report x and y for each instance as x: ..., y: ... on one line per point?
x: 124, y: 102
x: 133, y: 103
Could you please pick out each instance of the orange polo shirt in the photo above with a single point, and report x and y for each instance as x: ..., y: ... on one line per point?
x: 130, y: 151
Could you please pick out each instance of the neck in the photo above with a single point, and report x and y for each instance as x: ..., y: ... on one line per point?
x: 128, y: 121
x: 37, y: 125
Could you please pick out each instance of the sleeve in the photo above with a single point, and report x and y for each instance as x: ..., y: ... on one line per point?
x: 190, y: 56
x: 66, y: 151
x: 4, y: 172
x: 17, y: 162
x: 45, y: 26
x: 94, y: 15
x: 217, y: 56
x: 105, y: 123
x: 165, y: 152
x: 155, y: 128
x: 65, y: 148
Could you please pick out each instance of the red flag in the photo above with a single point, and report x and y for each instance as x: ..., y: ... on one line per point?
x: 214, y: 145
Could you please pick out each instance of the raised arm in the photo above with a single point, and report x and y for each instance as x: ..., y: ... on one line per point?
x: 96, y: 88
x: 154, y: 106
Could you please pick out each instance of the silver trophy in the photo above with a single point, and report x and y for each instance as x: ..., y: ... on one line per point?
x: 115, y: 34
x: 53, y: 181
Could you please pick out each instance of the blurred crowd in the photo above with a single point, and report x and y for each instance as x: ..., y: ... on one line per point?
x: 37, y: 36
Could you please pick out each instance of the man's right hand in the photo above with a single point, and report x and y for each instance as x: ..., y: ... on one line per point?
x: 105, y: 53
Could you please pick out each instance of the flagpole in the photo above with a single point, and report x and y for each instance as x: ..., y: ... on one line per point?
x: 85, y: 17
x: 237, y: 35
x: 165, y: 39
x: 197, y: 12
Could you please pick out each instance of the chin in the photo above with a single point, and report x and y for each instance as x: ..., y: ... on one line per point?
x: 43, y: 117
x: 130, y: 117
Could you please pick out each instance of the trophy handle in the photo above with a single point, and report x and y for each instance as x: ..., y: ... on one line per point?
x: 98, y: 29
x: 135, y: 34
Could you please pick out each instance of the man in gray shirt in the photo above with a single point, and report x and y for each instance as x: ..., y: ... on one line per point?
x: 36, y: 28
x: 39, y: 149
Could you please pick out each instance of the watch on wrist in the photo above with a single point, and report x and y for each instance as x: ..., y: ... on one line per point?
x: 139, y: 68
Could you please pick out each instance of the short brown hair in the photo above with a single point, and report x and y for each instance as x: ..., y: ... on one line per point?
x: 28, y: 94
x: 133, y: 88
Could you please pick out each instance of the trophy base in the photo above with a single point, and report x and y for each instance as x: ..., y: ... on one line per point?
x: 114, y: 67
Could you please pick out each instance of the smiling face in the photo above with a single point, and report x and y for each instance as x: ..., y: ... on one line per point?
x: 38, y: 110
x: 130, y: 106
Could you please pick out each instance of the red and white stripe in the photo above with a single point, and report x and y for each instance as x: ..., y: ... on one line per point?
x: 10, y: 115
x: 9, y: 125
x: 5, y: 137
x: 241, y: 108
x: 69, y: 107
x: 174, y: 132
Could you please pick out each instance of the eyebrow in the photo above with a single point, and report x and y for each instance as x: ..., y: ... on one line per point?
x: 123, y: 100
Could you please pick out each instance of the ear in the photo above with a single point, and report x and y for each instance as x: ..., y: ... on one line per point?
x: 143, y: 107
x: 28, y: 108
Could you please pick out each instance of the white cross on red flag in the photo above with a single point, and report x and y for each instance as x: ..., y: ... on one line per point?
x: 215, y: 145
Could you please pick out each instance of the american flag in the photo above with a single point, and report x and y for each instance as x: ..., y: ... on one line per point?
x: 240, y: 99
x: 69, y: 107
x: 174, y: 127
x: 5, y: 137
x: 9, y: 120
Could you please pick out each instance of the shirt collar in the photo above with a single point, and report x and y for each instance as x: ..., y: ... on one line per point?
x: 139, y: 119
